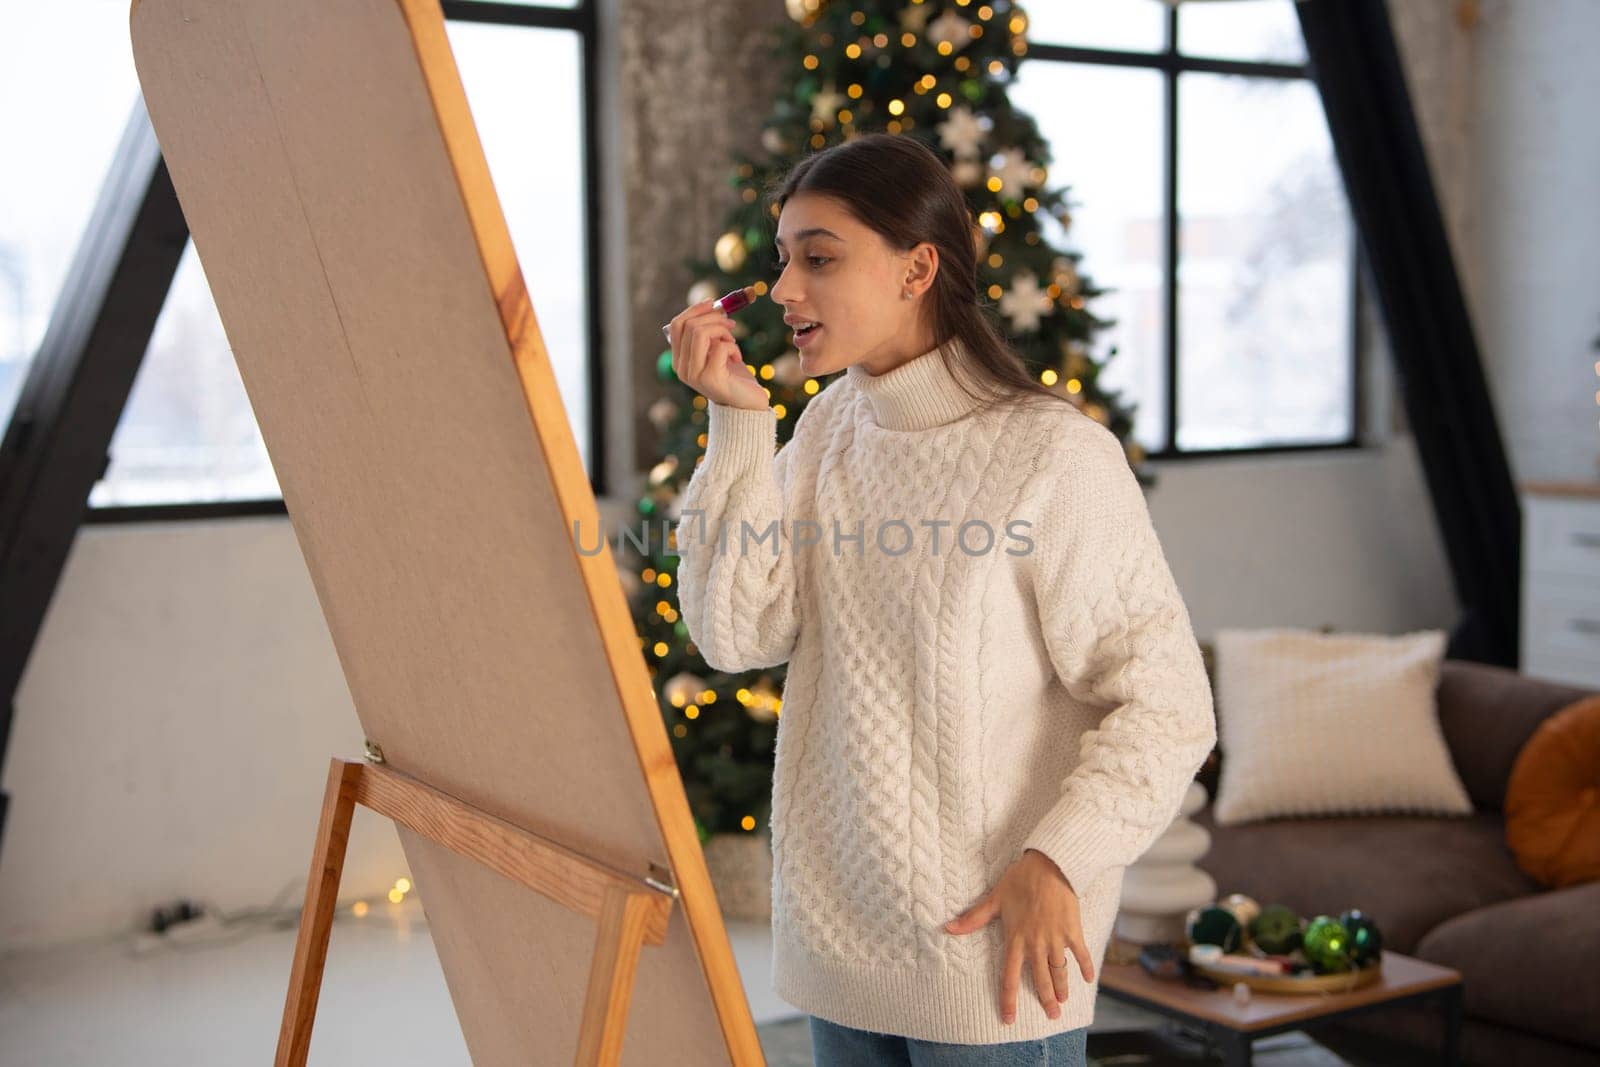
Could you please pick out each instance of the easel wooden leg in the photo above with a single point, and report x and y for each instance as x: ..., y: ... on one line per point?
x: 630, y: 912
x: 617, y: 944
x: 316, y: 918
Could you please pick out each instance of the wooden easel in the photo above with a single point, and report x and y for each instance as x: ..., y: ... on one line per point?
x: 338, y: 195
x: 631, y: 911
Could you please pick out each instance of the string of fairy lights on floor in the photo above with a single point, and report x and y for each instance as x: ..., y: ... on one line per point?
x: 201, y: 924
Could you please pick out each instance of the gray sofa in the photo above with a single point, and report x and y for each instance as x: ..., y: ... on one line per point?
x: 1444, y: 889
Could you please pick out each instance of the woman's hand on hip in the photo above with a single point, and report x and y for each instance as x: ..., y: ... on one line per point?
x: 1039, y: 912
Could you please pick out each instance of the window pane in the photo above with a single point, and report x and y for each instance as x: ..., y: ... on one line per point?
x: 1265, y: 266
x: 66, y: 75
x: 523, y: 85
x: 1103, y: 125
x: 188, y: 434
x: 1262, y: 30
x: 1126, y: 25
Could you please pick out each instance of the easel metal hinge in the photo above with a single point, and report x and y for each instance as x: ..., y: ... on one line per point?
x: 374, y: 753
x: 661, y: 878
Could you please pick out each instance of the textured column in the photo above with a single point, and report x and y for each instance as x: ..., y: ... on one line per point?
x: 697, y: 79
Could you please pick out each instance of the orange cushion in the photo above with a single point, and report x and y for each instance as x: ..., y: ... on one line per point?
x: 1553, y: 798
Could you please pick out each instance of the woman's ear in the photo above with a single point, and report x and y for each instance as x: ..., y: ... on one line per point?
x: 922, y: 266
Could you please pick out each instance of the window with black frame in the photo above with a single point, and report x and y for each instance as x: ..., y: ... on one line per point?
x: 187, y: 443
x: 1205, y: 194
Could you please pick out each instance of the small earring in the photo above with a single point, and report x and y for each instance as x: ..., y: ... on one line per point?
x: 905, y: 296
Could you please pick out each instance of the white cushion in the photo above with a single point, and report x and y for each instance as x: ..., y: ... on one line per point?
x: 1320, y: 724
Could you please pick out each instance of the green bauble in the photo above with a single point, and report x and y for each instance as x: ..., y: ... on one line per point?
x: 1366, y: 940
x: 1327, y: 944
x: 664, y: 369
x: 1214, y: 926
x: 1276, y: 929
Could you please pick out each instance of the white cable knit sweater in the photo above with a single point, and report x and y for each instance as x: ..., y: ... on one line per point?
x: 953, y: 696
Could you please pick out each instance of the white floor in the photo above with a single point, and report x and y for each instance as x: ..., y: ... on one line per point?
x: 218, y: 1000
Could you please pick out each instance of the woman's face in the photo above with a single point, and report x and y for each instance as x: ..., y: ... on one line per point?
x: 842, y: 274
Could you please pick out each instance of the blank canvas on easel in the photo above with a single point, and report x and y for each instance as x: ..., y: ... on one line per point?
x: 339, y: 200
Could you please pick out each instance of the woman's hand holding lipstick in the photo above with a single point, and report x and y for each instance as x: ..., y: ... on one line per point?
x: 706, y: 357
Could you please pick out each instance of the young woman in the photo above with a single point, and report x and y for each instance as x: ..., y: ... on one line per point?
x: 995, y: 700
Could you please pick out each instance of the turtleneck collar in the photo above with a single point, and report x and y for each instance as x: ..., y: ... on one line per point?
x: 920, y: 393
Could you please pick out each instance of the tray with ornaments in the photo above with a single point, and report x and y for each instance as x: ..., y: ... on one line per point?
x: 1275, y: 950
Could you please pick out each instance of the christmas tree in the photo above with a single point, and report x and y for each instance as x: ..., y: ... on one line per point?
x: 937, y: 70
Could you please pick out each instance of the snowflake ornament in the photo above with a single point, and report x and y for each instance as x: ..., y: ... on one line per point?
x: 1024, y: 303
x: 826, y: 104
x: 914, y: 18
x: 1015, y: 173
x: 950, y: 28
x: 961, y: 133
x: 1067, y: 275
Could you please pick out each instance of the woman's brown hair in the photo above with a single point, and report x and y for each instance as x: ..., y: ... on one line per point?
x: 900, y: 187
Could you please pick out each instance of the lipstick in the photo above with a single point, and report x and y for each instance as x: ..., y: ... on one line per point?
x: 737, y: 300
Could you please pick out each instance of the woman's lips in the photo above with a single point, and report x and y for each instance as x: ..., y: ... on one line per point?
x: 803, y: 339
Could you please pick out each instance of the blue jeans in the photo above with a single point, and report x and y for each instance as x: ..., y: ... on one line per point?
x: 833, y: 1045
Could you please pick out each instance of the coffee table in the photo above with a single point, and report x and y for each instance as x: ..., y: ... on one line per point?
x: 1234, y: 1027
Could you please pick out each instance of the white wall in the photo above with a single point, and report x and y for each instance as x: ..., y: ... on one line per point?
x: 1534, y: 270
x: 173, y: 732
x: 1508, y: 103
x: 174, y: 727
